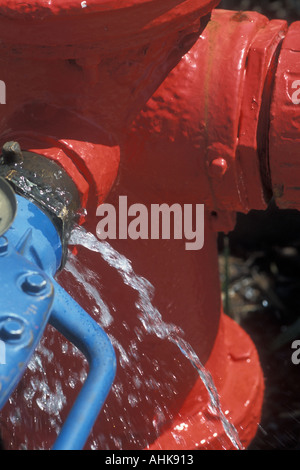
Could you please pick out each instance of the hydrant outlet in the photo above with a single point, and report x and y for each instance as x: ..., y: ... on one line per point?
x: 285, y: 124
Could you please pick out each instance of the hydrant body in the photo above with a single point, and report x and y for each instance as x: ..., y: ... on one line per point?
x: 161, y: 103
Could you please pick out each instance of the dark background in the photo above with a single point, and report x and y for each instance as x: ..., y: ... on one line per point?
x: 283, y: 9
x: 260, y: 275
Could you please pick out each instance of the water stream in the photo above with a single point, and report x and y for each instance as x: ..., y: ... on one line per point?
x: 151, y: 319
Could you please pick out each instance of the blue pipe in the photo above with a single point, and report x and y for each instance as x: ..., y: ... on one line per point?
x: 79, y: 328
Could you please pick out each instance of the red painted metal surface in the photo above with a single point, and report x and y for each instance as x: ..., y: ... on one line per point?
x: 284, y: 123
x: 78, y: 27
x: 162, y: 103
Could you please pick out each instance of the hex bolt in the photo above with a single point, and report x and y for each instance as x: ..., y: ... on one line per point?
x: 3, y: 245
x: 34, y: 283
x: 12, y: 153
x: 12, y: 329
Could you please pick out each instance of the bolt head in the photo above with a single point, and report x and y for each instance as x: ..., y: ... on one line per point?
x: 34, y: 283
x: 3, y: 245
x: 12, y: 329
x: 12, y: 152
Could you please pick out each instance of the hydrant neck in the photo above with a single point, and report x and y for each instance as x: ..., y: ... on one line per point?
x: 110, y: 25
x: 107, y: 88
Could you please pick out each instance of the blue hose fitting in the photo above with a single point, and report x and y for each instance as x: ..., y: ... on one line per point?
x: 30, y: 256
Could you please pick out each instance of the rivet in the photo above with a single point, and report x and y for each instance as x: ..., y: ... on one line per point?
x: 218, y: 167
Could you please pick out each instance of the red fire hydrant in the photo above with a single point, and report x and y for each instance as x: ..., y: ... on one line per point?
x: 162, y: 102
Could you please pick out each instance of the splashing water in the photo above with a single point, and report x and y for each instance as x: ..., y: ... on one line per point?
x: 152, y: 321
